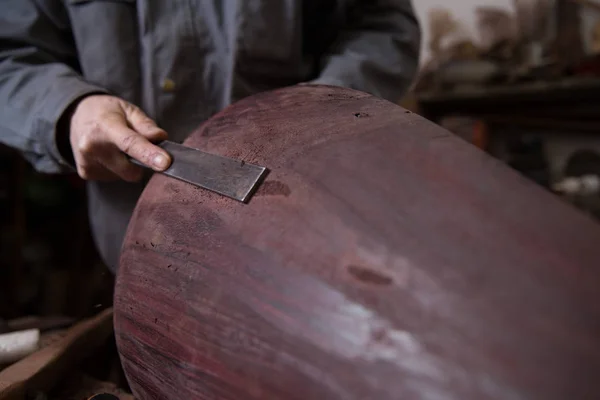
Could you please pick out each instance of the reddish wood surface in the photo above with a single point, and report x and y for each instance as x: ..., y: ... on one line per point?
x: 383, y: 258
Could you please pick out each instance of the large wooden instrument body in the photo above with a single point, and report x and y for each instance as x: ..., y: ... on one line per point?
x: 382, y: 258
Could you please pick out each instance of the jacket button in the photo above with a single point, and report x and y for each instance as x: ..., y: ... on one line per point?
x: 168, y: 85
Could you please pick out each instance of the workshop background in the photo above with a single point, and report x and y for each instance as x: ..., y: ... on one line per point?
x: 518, y: 78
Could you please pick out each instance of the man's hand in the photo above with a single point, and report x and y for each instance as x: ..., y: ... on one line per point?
x: 104, y: 127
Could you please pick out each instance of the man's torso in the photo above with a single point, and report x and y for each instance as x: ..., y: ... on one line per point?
x: 182, y: 61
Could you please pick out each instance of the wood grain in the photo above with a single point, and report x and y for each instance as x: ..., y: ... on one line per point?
x: 43, y: 369
x: 382, y: 258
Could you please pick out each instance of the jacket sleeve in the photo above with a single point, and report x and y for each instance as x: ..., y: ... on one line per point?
x: 38, y: 79
x: 377, y: 50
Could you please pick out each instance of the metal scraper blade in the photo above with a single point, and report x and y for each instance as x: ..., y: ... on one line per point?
x: 226, y: 176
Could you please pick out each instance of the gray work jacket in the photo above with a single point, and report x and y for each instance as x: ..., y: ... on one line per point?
x: 182, y: 61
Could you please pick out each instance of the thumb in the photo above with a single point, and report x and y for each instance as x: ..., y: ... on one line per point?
x: 144, y: 125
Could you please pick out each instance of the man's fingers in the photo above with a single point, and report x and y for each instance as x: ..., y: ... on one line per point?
x: 136, y: 145
x: 104, y: 129
x: 114, y: 162
x: 118, y: 163
x: 95, y: 171
x: 143, y: 124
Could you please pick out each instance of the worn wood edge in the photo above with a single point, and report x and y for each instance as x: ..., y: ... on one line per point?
x: 81, y: 386
x: 121, y: 397
x: 41, y: 323
x: 42, y: 369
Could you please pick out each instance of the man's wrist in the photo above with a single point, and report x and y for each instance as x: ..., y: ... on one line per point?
x: 63, y: 130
